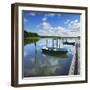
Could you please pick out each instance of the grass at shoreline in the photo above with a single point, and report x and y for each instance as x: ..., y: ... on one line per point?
x: 32, y: 38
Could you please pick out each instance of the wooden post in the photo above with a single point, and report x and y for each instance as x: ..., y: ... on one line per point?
x: 35, y: 53
x: 59, y: 43
x: 56, y: 42
x: 46, y: 43
x: 53, y: 43
x: 76, y: 61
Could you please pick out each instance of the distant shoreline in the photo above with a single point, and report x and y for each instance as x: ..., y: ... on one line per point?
x: 29, y: 37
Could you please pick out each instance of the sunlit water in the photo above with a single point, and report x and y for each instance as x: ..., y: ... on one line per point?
x: 36, y: 64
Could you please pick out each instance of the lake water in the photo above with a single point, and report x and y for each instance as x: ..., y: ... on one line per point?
x: 36, y: 64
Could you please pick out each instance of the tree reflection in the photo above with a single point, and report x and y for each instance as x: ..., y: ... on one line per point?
x: 36, y: 59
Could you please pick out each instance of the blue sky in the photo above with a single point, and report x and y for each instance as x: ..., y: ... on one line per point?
x: 44, y: 23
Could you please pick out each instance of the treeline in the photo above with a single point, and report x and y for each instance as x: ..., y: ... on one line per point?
x: 30, y: 34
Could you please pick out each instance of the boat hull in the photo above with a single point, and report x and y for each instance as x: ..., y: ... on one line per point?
x: 53, y: 52
x: 69, y: 43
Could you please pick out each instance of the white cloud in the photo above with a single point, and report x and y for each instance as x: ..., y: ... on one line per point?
x: 67, y: 21
x: 59, y: 28
x: 25, y: 20
x: 49, y: 30
x: 32, y: 14
x: 74, y: 25
x: 44, y: 26
x: 73, y: 30
x: 50, y: 14
x: 44, y: 18
x: 58, y: 14
x: 53, y: 14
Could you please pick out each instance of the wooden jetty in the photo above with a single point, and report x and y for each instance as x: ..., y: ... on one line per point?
x: 57, y: 45
x: 75, y: 68
x: 55, y: 50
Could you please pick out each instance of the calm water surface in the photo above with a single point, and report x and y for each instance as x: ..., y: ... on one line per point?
x: 38, y: 64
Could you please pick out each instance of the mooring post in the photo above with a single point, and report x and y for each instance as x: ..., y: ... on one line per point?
x: 56, y: 42
x: 53, y: 43
x: 76, y: 57
x: 59, y: 43
x: 35, y: 53
x: 46, y: 43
